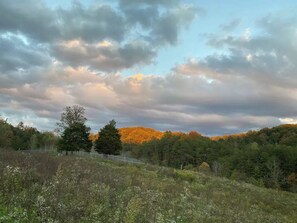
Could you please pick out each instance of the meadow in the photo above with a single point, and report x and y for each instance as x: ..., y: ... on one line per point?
x: 47, y: 187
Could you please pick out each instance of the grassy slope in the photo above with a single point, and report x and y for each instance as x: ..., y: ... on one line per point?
x: 71, y: 189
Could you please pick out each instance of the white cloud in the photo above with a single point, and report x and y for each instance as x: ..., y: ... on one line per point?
x: 288, y: 120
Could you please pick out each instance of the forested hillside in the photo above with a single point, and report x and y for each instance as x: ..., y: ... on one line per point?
x: 282, y: 135
x: 135, y: 135
x: 139, y: 134
x: 266, y: 158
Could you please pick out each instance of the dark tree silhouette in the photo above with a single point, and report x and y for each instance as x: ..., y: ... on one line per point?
x: 75, y: 134
x: 75, y: 138
x: 109, y: 141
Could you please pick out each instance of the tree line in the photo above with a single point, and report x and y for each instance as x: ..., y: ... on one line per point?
x: 265, y: 158
x: 71, y: 135
x: 22, y: 137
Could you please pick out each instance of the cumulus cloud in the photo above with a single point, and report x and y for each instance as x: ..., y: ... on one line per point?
x: 91, y: 24
x: 169, y: 25
x: 51, y: 31
x: 180, y: 102
x: 162, y: 20
x: 78, y: 56
x: 104, y: 56
x: 31, y: 18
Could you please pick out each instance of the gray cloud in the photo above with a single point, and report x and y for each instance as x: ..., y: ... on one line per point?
x: 269, y: 57
x: 163, y: 27
x: 104, y: 56
x: 44, y: 28
x: 31, y: 18
x: 21, y: 55
x: 169, y: 25
x: 125, y: 3
x: 36, y: 20
x: 91, y: 24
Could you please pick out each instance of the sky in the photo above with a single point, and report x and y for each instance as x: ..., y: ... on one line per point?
x: 217, y: 67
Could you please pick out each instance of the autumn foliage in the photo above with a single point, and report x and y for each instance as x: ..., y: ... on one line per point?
x: 138, y: 135
x: 135, y: 135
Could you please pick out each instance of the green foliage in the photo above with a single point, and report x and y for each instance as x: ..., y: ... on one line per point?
x: 6, y: 134
x: 75, y: 138
x: 24, y: 137
x: 133, y: 210
x: 75, y: 134
x: 109, y: 141
x: 256, y: 157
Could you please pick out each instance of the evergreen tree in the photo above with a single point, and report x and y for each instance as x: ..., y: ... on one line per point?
x: 74, y: 138
x: 109, y: 141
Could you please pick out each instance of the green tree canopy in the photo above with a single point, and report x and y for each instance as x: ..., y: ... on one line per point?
x: 6, y: 134
x: 75, y: 138
x: 75, y: 134
x: 109, y: 141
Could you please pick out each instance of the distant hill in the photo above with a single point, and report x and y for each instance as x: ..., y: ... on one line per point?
x: 228, y: 136
x: 136, y: 135
x: 282, y: 134
x: 139, y: 135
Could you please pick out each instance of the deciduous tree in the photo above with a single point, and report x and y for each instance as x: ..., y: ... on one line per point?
x: 75, y: 134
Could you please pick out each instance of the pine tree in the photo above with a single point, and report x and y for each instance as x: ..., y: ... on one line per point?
x: 109, y: 141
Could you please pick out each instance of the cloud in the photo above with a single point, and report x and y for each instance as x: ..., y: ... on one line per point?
x: 267, y: 57
x: 36, y: 20
x: 91, y: 24
x: 78, y: 56
x: 129, y: 3
x: 31, y: 18
x: 169, y: 25
x: 103, y: 56
x: 161, y: 20
x: 20, y: 55
x: 232, y: 25
x: 178, y: 101
x: 288, y: 120
x: 33, y: 33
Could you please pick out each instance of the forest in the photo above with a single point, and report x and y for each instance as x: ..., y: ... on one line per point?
x: 265, y: 158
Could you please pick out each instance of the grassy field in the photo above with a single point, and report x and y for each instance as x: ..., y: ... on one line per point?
x: 50, y: 188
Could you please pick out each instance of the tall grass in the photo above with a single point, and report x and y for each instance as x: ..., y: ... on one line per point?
x: 49, y: 188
